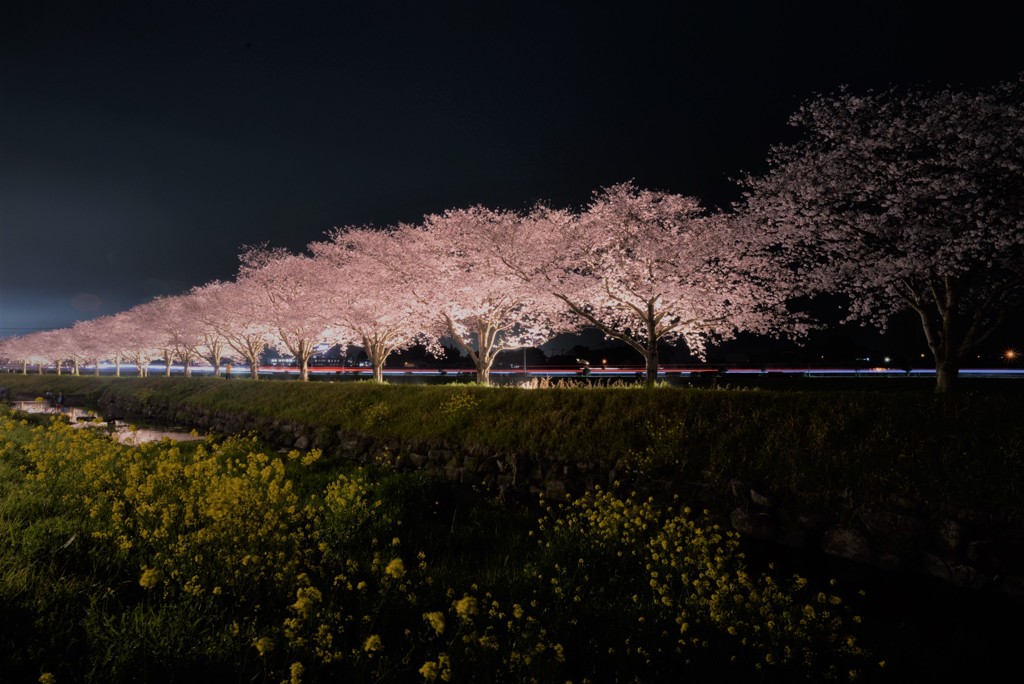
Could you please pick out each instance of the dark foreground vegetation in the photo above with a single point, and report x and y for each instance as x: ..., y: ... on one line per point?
x: 226, y: 559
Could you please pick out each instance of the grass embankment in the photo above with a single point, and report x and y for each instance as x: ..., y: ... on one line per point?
x: 963, y: 451
x: 223, y: 561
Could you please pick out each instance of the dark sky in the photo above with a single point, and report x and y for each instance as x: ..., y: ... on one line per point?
x: 142, y: 143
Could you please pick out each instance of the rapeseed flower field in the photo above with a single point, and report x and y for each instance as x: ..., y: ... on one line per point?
x: 224, y: 559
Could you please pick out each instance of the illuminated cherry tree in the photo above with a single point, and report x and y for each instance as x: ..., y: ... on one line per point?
x: 53, y: 346
x: 452, y: 263
x: 182, y: 333
x: 235, y: 314
x: 33, y: 349
x: 297, y: 306
x: 81, y: 346
x: 202, y: 311
x: 904, y: 200
x: 164, y: 322
x: 16, y: 350
x: 645, y: 267
x: 372, y: 305
x: 91, y: 341
x: 136, y: 342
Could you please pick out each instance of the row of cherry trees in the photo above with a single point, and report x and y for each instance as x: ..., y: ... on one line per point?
x: 900, y: 200
x: 640, y: 266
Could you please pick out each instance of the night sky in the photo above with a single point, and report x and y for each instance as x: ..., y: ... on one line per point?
x: 143, y: 143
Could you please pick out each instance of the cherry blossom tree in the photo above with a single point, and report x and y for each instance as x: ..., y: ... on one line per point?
x: 237, y: 317
x: 204, y: 309
x: 76, y: 345
x: 163, y: 321
x: 28, y: 350
x: 13, y: 350
x: 904, y: 200
x: 297, y: 304
x: 373, y: 306
x: 53, y: 347
x: 87, y: 340
x: 102, y: 340
x: 136, y: 341
x: 645, y: 267
x: 181, y: 333
x: 452, y: 264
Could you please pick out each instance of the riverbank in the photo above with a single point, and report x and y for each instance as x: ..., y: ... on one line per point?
x: 936, y: 629
x: 905, y: 482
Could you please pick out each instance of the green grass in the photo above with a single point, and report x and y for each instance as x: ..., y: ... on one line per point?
x: 959, y: 451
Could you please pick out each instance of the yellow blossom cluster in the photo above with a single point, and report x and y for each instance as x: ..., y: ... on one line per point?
x: 689, y: 590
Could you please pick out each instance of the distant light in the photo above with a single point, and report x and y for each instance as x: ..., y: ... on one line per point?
x: 887, y: 359
x: 1010, y: 354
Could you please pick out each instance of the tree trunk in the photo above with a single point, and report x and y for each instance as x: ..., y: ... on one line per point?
x: 652, y: 366
x: 378, y: 353
x: 303, y: 369
x: 939, y: 334
x: 487, y: 343
x: 651, y: 355
x: 40, y: 368
x: 946, y: 373
x: 477, y: 356
x: 254, y: 368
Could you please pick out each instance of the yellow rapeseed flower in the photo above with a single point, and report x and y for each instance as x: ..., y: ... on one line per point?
x: 150, y: 578
x: 264, y: 645
x: 373, y: 644
x: 395, y: 568
x: 307, y: 598
x: 436, y: 620
x: 466, y: 607
x: 429, y: 670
